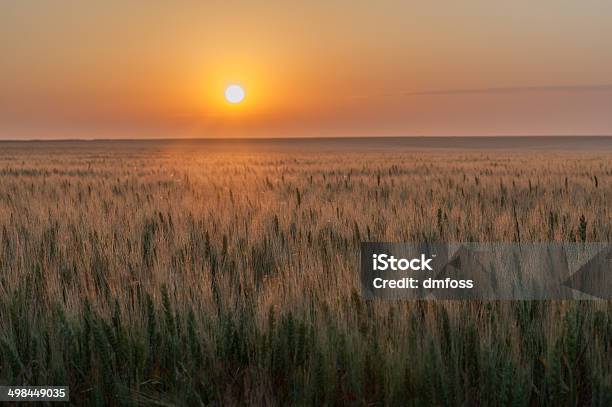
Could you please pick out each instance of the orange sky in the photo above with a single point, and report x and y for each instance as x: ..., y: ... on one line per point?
x: 317, y: 68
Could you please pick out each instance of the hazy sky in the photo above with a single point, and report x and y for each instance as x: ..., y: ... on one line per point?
x: 317, y: 68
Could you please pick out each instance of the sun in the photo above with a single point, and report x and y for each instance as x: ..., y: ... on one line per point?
x: 234, y: 94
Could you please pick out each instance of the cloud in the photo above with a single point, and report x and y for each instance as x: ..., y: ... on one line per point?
x: 515, y: 89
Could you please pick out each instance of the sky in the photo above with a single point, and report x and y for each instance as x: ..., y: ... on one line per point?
x: 132, y: 69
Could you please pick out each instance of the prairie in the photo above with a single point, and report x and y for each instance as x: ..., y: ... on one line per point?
x: 210, y: 272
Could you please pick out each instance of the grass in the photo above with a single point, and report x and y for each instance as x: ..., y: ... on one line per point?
x: 143, y: 274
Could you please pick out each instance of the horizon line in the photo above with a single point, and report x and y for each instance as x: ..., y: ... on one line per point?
x: 302, y: 138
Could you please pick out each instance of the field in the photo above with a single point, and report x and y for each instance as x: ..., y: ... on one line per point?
x: 225, y: 273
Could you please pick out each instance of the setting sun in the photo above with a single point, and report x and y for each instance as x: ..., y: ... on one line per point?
x: 234, y: 94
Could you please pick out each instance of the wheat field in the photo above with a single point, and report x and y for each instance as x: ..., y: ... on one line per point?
x: 160, y: 273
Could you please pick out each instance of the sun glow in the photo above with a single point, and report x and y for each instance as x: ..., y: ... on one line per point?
x: 234, y: 94
x: 237, y: 92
